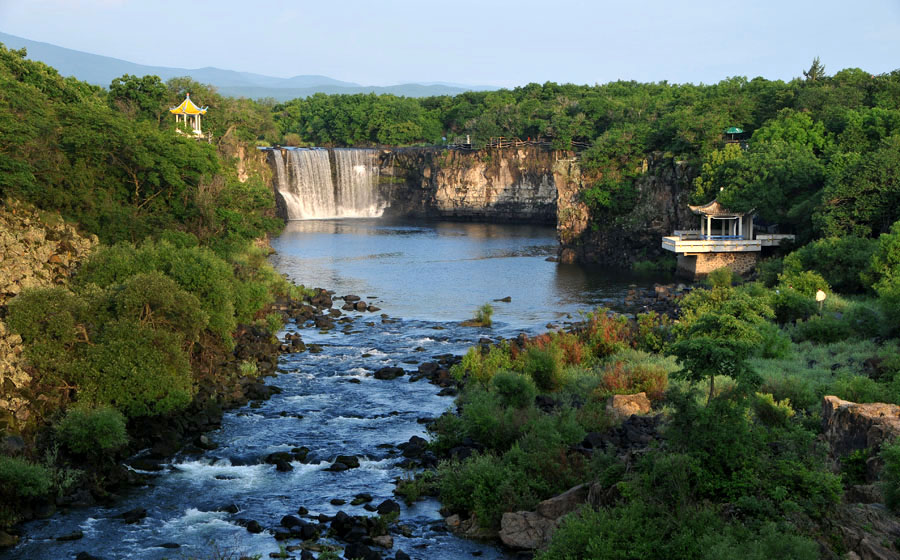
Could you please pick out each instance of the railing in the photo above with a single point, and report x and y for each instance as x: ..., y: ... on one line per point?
x: 500, y: 142
x: 712, y: 244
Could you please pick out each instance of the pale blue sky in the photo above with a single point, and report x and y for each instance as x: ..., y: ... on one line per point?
x: 488, y: 42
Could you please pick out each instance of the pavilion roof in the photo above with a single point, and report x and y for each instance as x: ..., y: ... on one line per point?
x: 715, y: 209
x: 187, y: 107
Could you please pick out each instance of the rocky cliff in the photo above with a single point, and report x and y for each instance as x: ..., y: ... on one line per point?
x: 662, y: 189
x: 36, y: 250
x: 502, y: 185
x: 534, y: 185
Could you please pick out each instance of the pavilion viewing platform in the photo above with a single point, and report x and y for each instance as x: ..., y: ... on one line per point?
x: 725, y: 238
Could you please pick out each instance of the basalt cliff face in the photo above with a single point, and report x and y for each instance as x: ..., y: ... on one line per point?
x: 661, y: 207
x: 502, y: 185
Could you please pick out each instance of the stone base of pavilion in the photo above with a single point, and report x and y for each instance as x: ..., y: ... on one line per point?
x: 697, y: 266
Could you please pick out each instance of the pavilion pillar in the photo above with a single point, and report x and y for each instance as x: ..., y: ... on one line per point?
x: 708, y: 226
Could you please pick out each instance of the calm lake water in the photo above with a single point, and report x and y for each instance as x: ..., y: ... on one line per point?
x: 443, y: 271
x: 427, y: 277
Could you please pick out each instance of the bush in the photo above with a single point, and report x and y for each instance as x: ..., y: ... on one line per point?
x: 92, y: 431
x: 515, y: 390
x: 822, y: 329
x: 157, y: 301
x: 890, y: 475
x: 483, y: 315
x: 771, y: 412
x: 137, y: 369
x: 545, y: 367
x: 804, y: 282
x: 482, y: 366
x: 722, y: 278
x: 775, y: 342
x: 654, y: 332
x: 791, y: 305
x: 768, y: 271
x: 840, y: 260
x: 795, y: 389
x: 488, y: 422
x: 860, y: 389
x: 606, y: 333
x: 620, y: 378
x: 21, y: 479
x: 50, y: 322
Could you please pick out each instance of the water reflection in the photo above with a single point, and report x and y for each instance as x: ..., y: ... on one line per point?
x: 445, y: 270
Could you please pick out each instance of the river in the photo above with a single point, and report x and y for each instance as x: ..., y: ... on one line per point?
x: 426, y: 276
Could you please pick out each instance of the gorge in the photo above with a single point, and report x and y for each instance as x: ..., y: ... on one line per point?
x: 526, y: 185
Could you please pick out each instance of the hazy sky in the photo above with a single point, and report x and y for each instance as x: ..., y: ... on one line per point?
x: 500, y: 43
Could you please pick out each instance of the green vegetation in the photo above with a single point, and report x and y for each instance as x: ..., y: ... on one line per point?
x: 92, y: 431
x: 737, y: 468
x: 152, y: 315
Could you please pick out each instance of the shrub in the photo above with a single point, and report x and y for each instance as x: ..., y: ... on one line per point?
x: 606, y: 333
x: 890, y: 475
x: 840, y: 260
x: 482, y: 366
x: 822, y: 329
x: 157, y: 301
x: 483, y: 315
x: 794, y: 389
x: 620, y: 378
x: 487, y: 421
x: 791, y: 305
x: 721, y: 278
x: 50, y: 322
x: 860, y: 389
x: 771, y: 412
x: 804, y: 282
x: 92, y: 431
x: 515, y: 390
x: 544, y: 367
x: 137, y: 369
x: 654, y: 331
x: 21, y: 479
x: 768, y: 271
x: 775, y: 343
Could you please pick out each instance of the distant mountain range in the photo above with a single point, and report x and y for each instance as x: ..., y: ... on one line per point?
x: 101, y: 70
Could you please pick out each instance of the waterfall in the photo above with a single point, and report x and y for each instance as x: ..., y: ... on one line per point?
x: 311, y: 191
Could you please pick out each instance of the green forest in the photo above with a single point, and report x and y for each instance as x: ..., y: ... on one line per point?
x: 738, y: 370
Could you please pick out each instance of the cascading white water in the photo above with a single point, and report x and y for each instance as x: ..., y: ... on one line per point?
x: 305, y: 182
x: 357, y: 176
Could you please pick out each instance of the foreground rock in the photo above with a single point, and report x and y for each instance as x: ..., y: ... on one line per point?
x: 530, y: 530
x: 869, y: 532
x: 849, y: 426
x: 620, y: 407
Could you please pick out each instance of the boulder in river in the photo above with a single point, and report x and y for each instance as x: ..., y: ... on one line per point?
x: 134, y: 515
x: 387, y: 507
x: 360, y: 551
x: 387, y: 373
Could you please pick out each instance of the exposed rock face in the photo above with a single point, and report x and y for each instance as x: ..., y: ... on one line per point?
x: 499, y: 185
x: 848, y: 426
x: 529, y: 530
x: 662, y: 196
x: 621, y: 407
x: 869, y: 531
x: 35, y: 251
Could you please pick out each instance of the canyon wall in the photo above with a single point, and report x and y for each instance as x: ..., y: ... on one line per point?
x: 517, y: 185
x: 497, y: 185
x: 663, y: 188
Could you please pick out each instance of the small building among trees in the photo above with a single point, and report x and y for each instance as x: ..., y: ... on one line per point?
x: 725, y: 238
x: 189, y: 114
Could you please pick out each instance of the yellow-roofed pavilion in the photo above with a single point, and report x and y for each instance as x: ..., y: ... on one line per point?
x: 189, y: 114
